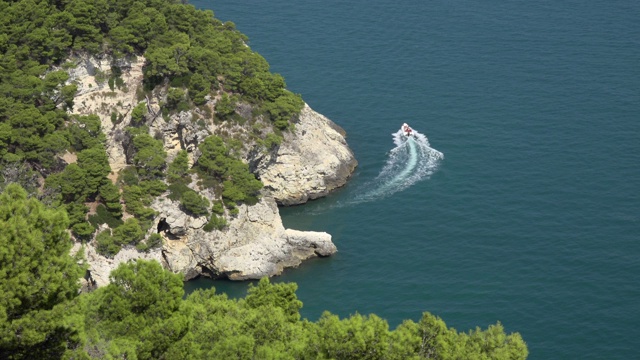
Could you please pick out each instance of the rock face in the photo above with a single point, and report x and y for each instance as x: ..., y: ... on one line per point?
x: 311, y: 162
x: 95, y: 97
x: 255, y: 243
x: 99, y: 267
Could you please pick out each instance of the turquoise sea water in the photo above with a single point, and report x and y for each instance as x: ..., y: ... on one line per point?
x: 533, y: 216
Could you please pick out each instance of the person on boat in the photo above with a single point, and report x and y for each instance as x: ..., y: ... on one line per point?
x: 407, y: 130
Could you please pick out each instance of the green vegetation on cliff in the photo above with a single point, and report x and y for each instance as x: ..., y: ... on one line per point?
x: 216, y: 163
x: 37, y: 276
x: 192, y: 57
x: 141, y: 314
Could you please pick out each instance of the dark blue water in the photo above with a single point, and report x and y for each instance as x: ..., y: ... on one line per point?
x: 533, y: 216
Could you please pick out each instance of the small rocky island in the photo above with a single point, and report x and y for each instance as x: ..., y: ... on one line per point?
x: 312, y: 159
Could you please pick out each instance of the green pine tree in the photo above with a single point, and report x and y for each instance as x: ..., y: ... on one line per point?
x: 36, y: 274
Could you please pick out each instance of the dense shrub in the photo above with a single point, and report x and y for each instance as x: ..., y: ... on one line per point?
x: 77, y: 212
x: 215, y: 223
x: 174, y: 98
x: 138, y: 113
x: 272, y: 140
x: 149, y: 157
x: 153, y: 187
x: 95, y: 163
x: 242, y: 186
x: 217, y: 208
x: 85, y: 132
x: 71, y: 183
x: 83, y: 231
x: 154, y: 241
x: 178, y: 170
x: 109, y: 242
x: 106, y: 244
x: 110, y: 196
x: 128, y: 176
x: 194, y: 204
x: 199, y: 87
x: 176, y: 190
x: 137, y: 200
x: 226, y: 106
x: 283, y: 109
x: 239, y: 184
x: 233, y: 208
x: 104, y: 216
x: 128, y: 233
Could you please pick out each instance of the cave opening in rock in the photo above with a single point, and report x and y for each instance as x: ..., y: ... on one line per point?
x: 163, y: 226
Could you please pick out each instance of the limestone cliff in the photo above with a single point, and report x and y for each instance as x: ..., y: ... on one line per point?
x: 310, y: 162
x: 95, y: 97
x: 99, y: 267
x: 255, y: 243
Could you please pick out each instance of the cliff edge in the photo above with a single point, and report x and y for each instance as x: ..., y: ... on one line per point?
x: 311, y: 161
x: 255, y: 243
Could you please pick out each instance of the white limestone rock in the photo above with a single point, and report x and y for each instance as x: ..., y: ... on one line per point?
x: 97, y: 98
x: 310, y: 163
x: 255, y: 244
x: 99, y: 267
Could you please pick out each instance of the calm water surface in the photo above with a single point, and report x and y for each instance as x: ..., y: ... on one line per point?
x: 533, y: 216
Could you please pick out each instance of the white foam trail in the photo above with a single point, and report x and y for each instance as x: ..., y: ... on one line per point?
x: 410, y: 161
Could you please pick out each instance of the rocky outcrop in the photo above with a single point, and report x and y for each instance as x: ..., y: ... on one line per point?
x: 254, y: 244
x: 95, y: 97
x: 311, y: 162
x: 99, y: 267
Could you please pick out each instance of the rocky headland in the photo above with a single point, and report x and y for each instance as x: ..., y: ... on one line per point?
x: 311, y: 161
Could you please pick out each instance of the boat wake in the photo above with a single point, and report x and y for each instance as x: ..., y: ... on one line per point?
x: 412, y: 160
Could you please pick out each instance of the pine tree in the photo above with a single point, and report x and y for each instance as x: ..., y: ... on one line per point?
x: 36, y: 274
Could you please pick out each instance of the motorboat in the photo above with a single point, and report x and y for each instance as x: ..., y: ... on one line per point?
x: 407, y: 131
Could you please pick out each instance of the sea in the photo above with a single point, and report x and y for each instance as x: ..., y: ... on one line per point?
x: 520, y: 200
